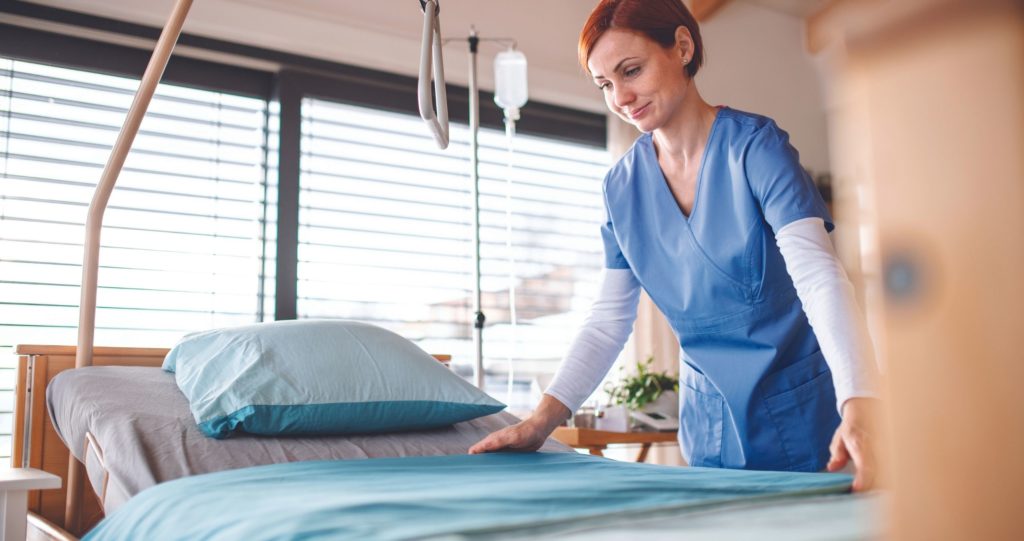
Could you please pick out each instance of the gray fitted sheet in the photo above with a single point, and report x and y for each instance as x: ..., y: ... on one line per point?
x: 143, y: 425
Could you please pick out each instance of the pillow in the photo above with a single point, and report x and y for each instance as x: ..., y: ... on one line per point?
x: 313, y: 377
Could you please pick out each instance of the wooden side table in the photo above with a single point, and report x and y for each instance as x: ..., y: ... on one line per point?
x: 596, y: 441
x: 14, y: 486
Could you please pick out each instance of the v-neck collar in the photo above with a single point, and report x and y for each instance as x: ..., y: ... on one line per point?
x: 700, y: 171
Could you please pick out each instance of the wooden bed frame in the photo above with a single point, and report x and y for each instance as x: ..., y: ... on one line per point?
x: 36, y: 444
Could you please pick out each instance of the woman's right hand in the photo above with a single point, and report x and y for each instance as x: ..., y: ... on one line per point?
x: 523, y: 436
x: 528, y: 435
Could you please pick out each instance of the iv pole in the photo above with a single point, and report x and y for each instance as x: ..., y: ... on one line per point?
x: 431, y: 55
x: 432, y: 67
x: 474, y: 167
x: 474, y: 174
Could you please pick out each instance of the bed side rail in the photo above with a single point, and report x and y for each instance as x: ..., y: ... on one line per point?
x: 35, y: 441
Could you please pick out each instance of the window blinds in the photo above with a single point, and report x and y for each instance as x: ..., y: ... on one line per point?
x: 182, y: 237
x: 190, y: 231
x: 385, y: 236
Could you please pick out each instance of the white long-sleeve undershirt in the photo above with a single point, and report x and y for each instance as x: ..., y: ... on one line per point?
x: 599, y: 341
x: 821, y: 284
x: 831, y: 306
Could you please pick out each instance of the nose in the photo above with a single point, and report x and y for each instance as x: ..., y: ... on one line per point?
x: 622, y: 96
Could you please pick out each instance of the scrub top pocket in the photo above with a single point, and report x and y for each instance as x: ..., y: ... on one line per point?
x: 806, y: 403
x: 700, y: 428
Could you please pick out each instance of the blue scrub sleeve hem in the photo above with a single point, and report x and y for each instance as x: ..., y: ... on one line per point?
x: 613, y: 256
x: 830, y: 226
x: 780, y: 184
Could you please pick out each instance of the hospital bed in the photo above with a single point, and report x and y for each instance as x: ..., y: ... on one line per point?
x: 129, y: 424
x: 126, y: 420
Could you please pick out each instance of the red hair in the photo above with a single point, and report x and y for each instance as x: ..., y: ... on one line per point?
x: 656, y: 19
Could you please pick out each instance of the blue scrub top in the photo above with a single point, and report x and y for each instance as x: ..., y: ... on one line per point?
x: 755, y: 391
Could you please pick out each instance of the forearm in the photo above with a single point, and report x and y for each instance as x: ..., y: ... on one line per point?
x: 830, y: 304
x: 599, y: 341
x: 549, y: 414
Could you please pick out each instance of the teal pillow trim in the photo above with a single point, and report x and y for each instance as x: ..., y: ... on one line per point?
x: 345, y: 418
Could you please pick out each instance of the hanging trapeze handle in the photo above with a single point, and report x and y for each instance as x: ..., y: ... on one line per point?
x: 432, y: 68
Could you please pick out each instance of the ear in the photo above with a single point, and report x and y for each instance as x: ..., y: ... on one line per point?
x: 684, y: 42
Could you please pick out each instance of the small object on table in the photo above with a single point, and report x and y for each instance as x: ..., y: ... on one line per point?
x: 596, y: 441
x: 608, y: 418
x: 657, y: 421
x: 613, y: 419
x: 14, y: 486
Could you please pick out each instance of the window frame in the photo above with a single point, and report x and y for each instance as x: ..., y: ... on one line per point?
x: 298, y: 77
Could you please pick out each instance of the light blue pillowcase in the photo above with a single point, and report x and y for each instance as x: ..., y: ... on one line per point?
x: 311, y: 377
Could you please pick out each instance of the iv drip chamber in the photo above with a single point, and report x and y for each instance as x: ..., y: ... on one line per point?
x: 510, y: 88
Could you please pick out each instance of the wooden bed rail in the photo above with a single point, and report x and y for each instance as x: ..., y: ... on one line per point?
x: 40, y: 529
x: 36, y: 443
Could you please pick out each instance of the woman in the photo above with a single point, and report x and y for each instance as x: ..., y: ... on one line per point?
x: 711, y: 213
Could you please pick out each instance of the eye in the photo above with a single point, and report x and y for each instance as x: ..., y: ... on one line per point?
x: 632, y: 72
x: 604, y: 86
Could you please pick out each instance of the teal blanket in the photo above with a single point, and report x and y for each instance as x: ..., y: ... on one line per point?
x: 459, y: 496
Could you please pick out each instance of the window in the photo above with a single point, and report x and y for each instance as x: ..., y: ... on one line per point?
x: 182, y: 245
x: 374, y: 219
x: 385, y: 236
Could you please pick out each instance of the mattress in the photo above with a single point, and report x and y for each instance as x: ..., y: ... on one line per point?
x: 132, y: 428
x: 503, y: 495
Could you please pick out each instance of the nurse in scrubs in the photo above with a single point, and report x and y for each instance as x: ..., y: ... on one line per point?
x: 712, y: 215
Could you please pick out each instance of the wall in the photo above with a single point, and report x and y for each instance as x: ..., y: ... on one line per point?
x: 386, y: 34
x: 756, y: 61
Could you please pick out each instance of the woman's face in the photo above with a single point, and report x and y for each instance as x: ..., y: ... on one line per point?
x: 643, y: 82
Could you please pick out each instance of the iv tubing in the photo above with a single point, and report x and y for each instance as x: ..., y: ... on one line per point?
x: 510, y: 131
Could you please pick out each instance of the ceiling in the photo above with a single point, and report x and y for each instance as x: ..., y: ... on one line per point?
x: 546, y: 33
x: 385, y: 34
x: 796, y: 8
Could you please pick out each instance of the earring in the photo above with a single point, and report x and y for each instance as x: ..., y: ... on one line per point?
x: 686, y: 61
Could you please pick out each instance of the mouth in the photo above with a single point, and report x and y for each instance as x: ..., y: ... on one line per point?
x: 637, y: 113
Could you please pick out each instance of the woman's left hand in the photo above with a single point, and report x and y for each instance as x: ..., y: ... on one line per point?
x: 854, y: 440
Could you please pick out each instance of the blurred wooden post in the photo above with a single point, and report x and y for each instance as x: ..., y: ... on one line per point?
x: 928, y: 121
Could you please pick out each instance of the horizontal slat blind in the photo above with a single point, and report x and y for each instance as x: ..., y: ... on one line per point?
x: 182, y: 234
x: 385, y: 233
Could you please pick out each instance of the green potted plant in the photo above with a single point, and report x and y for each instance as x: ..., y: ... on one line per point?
x: 642, y: 389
